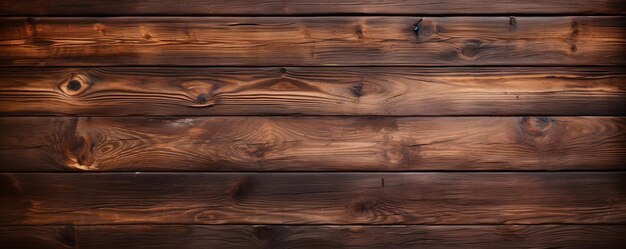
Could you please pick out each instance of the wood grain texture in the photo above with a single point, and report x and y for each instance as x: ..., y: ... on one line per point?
x: 207, y: 236
x: 282, y: 236
x: 37, y: 237
x: 312, y: 198
x: 305, y: 7
x: 312, y: 41
x: 313, y: 91
x: 312, y: 143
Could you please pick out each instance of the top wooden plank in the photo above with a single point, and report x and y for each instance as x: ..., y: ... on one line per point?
x: 313, y: 41
x: 305, y: 7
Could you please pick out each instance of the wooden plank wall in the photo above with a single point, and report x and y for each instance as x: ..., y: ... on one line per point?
x: 313, y: 124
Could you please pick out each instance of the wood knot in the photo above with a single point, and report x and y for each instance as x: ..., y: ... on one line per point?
x: 575, y: 31
x: 258, y: 150
x: 394, y: 155
x: 357, y: 90
x: 283, y: 70
x: 263, y: 233
x: 363, y: 206
x: 200, y: 92
x: 573, y: 37
x: 76, y: 84
x: 82, y: 149
x: 201, y: 99
x: 73, y: 85
x: 402, y: 154
x: 471, y: 48
x: 536, y: 126
x: 360, y: 33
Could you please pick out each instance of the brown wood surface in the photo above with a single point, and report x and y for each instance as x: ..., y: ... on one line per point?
x: 282, y: 236
x: 305, y: 7
x: 312, y: 143
x: 518, y: 236
x: 37, y: 237
x: 313, y: 41
x: 313, y: 91
x: 313, y: 124
x: 312, y: 198
x: 514, y: 236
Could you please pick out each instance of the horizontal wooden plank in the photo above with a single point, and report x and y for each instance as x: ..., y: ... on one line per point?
x: 313, y: 41
x: 35, y: 237
x: 312, y: 198
x: 311, y: 143
x: 206, y: 236
x: 283, y: 236
x: 313, y: 91
x: 305, y: 7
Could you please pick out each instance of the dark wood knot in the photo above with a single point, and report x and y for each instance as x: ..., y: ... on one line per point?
x: 357, y: 90
x: 416, y: 27
x: 201, y: 98
x: 73, y: 85
x: 537, y: 126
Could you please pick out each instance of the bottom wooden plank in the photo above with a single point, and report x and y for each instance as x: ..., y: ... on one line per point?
x: 249, y: 236
x: 35, y: 237
x: 313, y: 198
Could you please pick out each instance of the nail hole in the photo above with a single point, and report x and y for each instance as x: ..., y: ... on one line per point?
x: 416, y: 27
